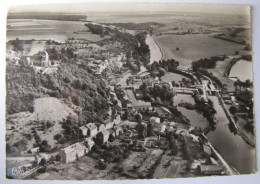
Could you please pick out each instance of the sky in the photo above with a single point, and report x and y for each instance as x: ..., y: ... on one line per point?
x: 133, y: 7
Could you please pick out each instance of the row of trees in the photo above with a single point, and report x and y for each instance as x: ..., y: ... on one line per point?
x: 169, y: 65
x: 207, y: 63
x: 207, y: 110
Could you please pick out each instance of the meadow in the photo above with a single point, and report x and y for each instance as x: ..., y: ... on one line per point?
x: 48, y: 29
x: 194, y: 47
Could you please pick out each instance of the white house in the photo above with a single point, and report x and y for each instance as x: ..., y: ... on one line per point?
x: 92, y: 130
x: 73, y: 152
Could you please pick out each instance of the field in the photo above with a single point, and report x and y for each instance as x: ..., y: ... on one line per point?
x: 219, y: 71
x: 194, y: 47
x: 169, y: 77
x: 48, y: 29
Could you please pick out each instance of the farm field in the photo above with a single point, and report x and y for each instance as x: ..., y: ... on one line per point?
x: 169, y: 77
x: 48, y: 29
x: 194, y: 47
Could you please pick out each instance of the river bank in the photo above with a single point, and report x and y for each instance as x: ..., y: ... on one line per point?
x: 232, y: 147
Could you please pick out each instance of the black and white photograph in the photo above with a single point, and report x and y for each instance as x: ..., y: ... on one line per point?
x: 129, y: 90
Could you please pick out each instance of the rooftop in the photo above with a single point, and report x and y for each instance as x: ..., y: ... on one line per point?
x: 91, y: 126
x: 205, y: 168
x: 74, y: 147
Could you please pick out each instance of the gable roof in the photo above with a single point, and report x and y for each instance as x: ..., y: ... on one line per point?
x: 74, y: 148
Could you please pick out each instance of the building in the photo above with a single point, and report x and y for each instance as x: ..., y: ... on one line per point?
x: 34, y: 150
x: 163, y: 128
x: 137, y: 104
x: 207, y: 150
x: 108, y: 123
x: 41, y: 59
x: 211, y: 169
x: 163, y: 112
x: 89, y: 143
x: 141, y: 105
x: 213, y: 161
x: 118, y: 130
x: 73, y: 152
x: 92, y: 130
x: 84, y: 131
x: 155, y: 120
x: 103, y: 136
x: 101, y: 127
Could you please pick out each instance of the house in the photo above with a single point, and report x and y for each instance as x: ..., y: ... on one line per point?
x: 172, y: 124
x: 163, y: 112
x: 73, y: 152
x: 207, y: 150
x: 41, y: 59
x: 211, y: 169
x: 155, y: 120
x: 101, y: 127
x: 34, y: 150
x: 40, y: 156
x: 103, y: 136
x: 118, y: 130
x: 226, y: 97
x: 89, y: 143
x: 92, y: 129
x: 117, y: 120
x: 112, y: 132
x: 84, y: 131
x: 163, y: 128
x: 213, y: 161
x: 108, y: 123
x: 131, y: 114
x: 141, y: 105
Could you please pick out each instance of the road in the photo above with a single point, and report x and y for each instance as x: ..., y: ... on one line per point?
x: 173, y: 170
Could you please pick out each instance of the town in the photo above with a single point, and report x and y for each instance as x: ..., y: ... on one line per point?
x: 109, y: 109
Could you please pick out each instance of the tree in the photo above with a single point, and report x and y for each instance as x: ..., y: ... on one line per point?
x: 162, y: 72
x: 233, y: 109
x: 141, y: 130
x: 138, y: 118
x: 150, y: 129
x: 173, y: 83
x: 43, y: 162
x: 44, y: 146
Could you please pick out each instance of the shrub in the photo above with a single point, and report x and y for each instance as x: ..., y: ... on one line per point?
x: 57, y: 136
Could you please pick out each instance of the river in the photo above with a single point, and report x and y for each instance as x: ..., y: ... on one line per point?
x: 232, y: 147
x: 155, y: 51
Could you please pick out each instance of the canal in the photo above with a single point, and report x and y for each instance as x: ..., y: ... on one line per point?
x: 232, y: 147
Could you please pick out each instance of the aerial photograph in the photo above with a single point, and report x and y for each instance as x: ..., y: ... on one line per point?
x: 125, y: 91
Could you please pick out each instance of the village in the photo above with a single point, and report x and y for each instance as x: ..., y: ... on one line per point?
x: 144, y: 135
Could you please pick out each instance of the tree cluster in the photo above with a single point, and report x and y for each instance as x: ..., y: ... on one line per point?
x: 207, y: 63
